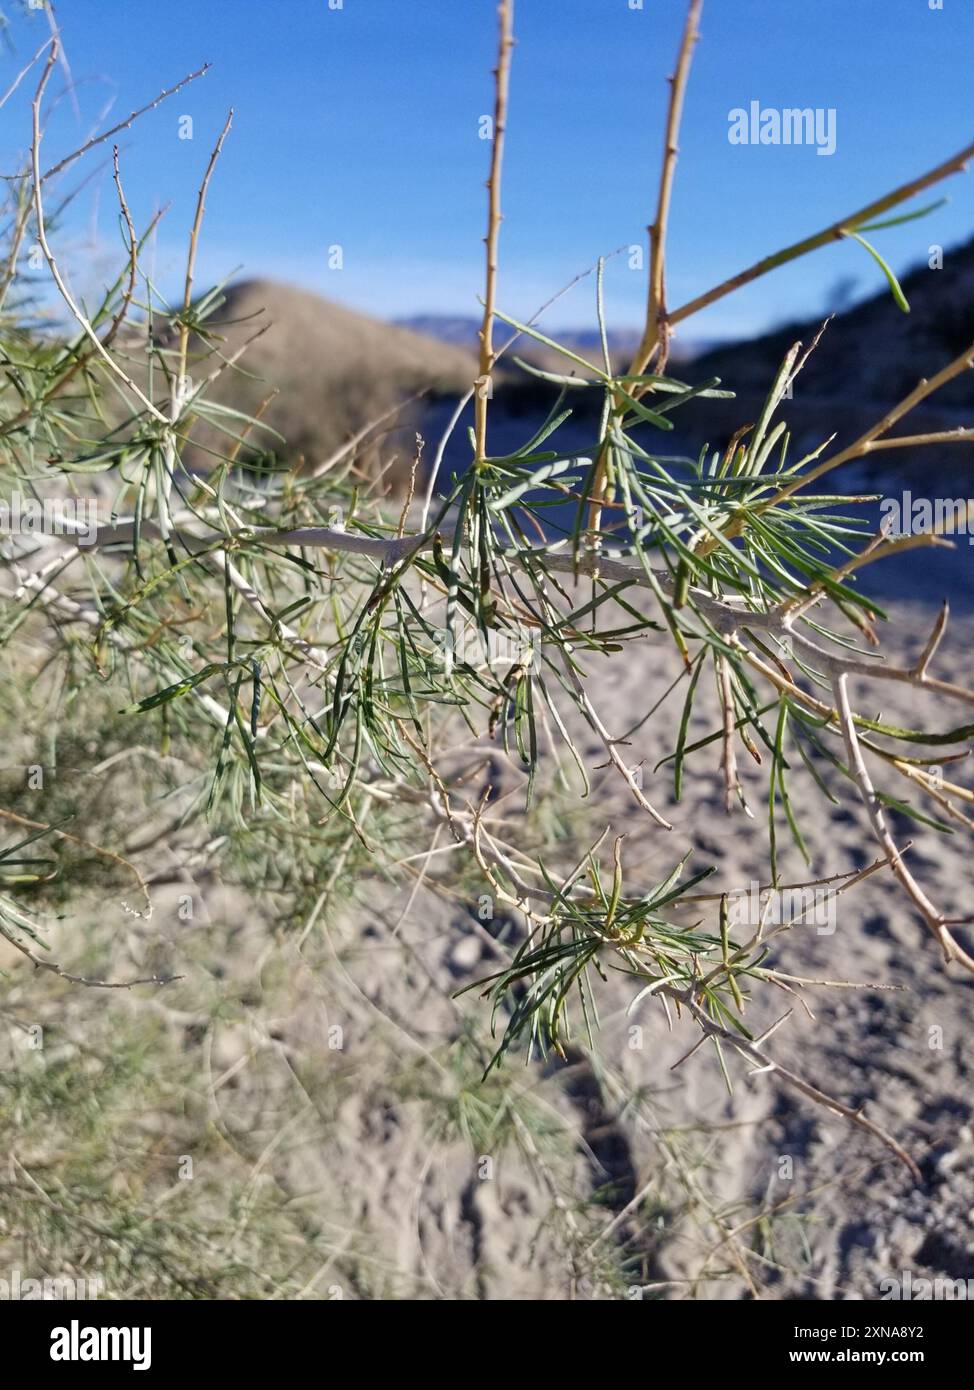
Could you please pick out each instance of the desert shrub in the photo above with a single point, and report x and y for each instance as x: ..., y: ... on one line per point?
x: 350, y: 682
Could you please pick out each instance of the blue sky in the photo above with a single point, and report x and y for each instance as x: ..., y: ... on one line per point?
x: 358, y: 126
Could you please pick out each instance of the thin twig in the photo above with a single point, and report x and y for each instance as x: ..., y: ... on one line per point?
x: 753, y: 1052
x: 109, y: 854
x: 656, y: 330
x: 836, y: 231
x: 40, y: 963
x: 502, y: 73
x: 123, y: 125
x: 656, y: 324
x: 194, y: 237
x: 24, y: 71
x: 80, y: 318
x: 934, y: 919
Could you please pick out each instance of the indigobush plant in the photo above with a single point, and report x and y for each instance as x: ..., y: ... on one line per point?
x: 325, y: 670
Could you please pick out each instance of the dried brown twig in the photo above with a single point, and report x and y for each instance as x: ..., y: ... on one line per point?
x: 656, y: 328
x: 505, y: 16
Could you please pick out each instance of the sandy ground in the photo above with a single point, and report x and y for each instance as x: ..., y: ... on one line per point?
x: 610, y: 1175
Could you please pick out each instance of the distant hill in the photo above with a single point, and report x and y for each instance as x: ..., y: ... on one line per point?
x: 463, y: 332
x: 872, y: 353
x: 446, y: 328
x: 335, y: 369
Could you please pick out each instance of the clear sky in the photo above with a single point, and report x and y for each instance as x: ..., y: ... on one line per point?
x: 358, y: 126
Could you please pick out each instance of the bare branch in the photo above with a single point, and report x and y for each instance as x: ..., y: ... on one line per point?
x: 835, y: 232
x: 502, y: 74
x: 657, y: 324
x: 194, y: 237
x: 122, y: 125
x: 40, y: 963
x: 656, y: 330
